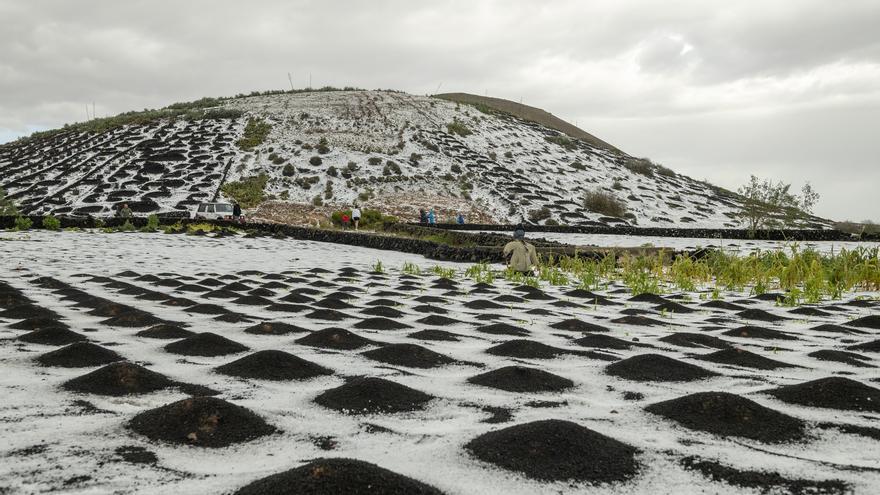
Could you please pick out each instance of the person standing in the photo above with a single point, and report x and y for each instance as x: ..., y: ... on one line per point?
x: 125, y: 211
x: 356, y: 216
x: 236, y: 212
x: 460, y: 219
x: 344, y: 221
x: 520, y: 255
x: 431, y: 217
x: 423, y: 216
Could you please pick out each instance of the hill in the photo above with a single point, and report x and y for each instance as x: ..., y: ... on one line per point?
x: 496, y: 160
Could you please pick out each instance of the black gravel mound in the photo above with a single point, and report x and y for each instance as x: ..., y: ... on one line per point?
x: 438, y: 321
x: 79, y: 355
x: 434, y: 335
x: 411, y: 355
x: 687, y: 339
x: 759, y: 315
x: 327, y: 314
x: 23, y: 311
x: 335, y: 338
x: 833, y: 393
x: 850, y: 358
x: 723, y: 305
x: 765, y: 482
x: 656, y: 367
x: 555, y: 450
x: 522, y: 379
x: 38, y: 324
x: 642, y: 321
x: 165, y: 331
x: 870, y: 321
x: 273, y: 365
x: 527, y: 349
x: 872, y: 346
x: 118, y: 379
x: 207, y: 309
x: 753, y: 332
x: 483, y: 304
x: 384, y: 311
x: 600, y: 341
x: 52, y: 336
x: 746, y: 359
x: 503, y: 329
x: 205, y: 344
x: 136, y: 455
x: 575, y: 325
x: 725, y: 414
x: 380, y: 323
x: 365, y: 395
x: 133, y: 318
x: 674, y: 307
x: 805, y: 311
x: 648, y: 298
x: 274, y: 328
x: 201, y: 421
x: 338, y: 476
x: 829, y: 328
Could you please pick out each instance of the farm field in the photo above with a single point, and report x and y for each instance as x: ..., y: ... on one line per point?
x: 137, y: 363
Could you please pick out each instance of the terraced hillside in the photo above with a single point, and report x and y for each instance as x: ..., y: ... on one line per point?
x: 338, y: 147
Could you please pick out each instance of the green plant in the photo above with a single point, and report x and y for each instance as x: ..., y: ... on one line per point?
x: 315, y: 161
x: 127, y: 226
x: 391, y: 168
x: 411, y: 268
x: 288, y: 170
x: 481, y: 273
x: 641, y: 166
x: 7, y: 207
x: 255, y: 133
x: 22, y: 223
x: 248, y: 192
x: 604, y: 203
x: 563, y: 141
x: 443, y: 272
x: 378, y: 267
x: 539, y: 214
x: 51, y: 223
x: 768, y: 204
x: 152, y: 224
x: 458, y: 127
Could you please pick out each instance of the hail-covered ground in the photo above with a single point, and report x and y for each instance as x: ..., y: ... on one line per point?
x: 138, y: 363
x: 378, y: 147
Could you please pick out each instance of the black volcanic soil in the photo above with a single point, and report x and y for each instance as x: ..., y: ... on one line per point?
x: 850, y: 358
x: 753, y: 332
x: 746, y: 359
x: 727, y: 414
x: 274, y: 328
x: 338, y: 476
x: 759, y: 315
x: 522, y: 379
x: 555, y: 450
x: 575, y: 325
x: 410, y: 355
x: 38, y: 324
x: 872, y: 346
x: 503, y: 329
x: 380, y: 323
x: 273, y: 365
x: 165, y: 331
x: 870, y: 321
x: 52, y: 336
x: 205, y: 344
x: 688, y: 339
x: 335, y: 338
x: 201, y: 421
x: 600, y: 341
x: 118, y: 379
x: 432, y: 334
x: 642, y: 321
x: 765, y: 482
x: 656, y: 367
x: 79, y: 355
x: 832, y: 393
x: 527, y: 349
x: 366, y: 395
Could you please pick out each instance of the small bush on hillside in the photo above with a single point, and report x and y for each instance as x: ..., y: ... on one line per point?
x: 542, y: 213
x: 315, y: 161
x: 577, y: 165
x: 328, y: 190
x: 22, y: 223
x: 605, y: 203
x: 152, y: 224
x: 332, y: 172
x: 323, y: 148
x: 508, y: 154
x: 317, y: 201
x: 51, y: 223
x: 665, y: 171
x: 248, y: 192
x: 458, y: 127
x: 374, y: 160
x: 352, y: 166
x: 288, y: 170
x: 391, y: 168
x: 126, y: 227
x: 563, y: 141
x: 255, y: 133
x: 276, y: 159
x: 617, y: 186
x: 456, y: 168
x: 7, y: 207
x: 641, y: 166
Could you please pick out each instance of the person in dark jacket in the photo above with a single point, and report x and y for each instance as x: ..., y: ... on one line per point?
x: 125, y: 211
x: 460, y: 219
x: 423, y: 216
x: 236, y: 212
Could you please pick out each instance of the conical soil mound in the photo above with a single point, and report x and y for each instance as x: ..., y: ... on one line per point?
x: 132, y: 318
x: 410, y: 355
x: 434, y: 335
x: 526, y: 349
x: 746, y: 359
x: 833, y: 393
x: 555, y: 450
x: 503, y: 329
x: 727, y: 414
x: 273, y: 365
x: 850, y: 358
x: 872, y: 346
x: 23, y: 311
x: 674, y: 307
x: 373, y: 395
x: 202, y: 421
x: 380, y: 323
x: 723, y: 305
x: 753, y: 332
x: 119, y: 379
x: 764, y: 481
x: 338, y: 476
x: 38, y: 324
x: 438, y: 321
x: 658, y: 368
x: 205, y: 344
x: 522, y: 379
x: 641, y: 321
x: 575, y: 325
x: 274, y: 328
x: 870, y: 321
x: 600, y: 341
x: 52, y: 336
x: 688, y: 339
x: 759, y: 315
x: 335, y: 338
x: 79, y: 355
x: 165, y: 331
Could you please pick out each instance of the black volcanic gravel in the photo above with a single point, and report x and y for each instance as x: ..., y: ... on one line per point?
x: 118, y: 379
x: 338, y: 476
x: 555, y: 450
x: 38, y: 324
x: 522, y: 379
x: 165, y: 331
x: 207, y: 309
x: 483, y: 304
x: 79, y: 355
x: 725, y: 414
x: 833, y: 393
x: 600, y: 341
x: 132, y: 319
x: 872, y: 346
x: 759, y: 315
x: 723, y: 305
x: 641, y: 321
x: 205, y: 344
x: 688, y: 339
x: 334, y: 338
x: 753, y: 332
x: 379, y: 323
x: 366, y: 395
x: 674, y: 307
x: 765, y: 482
x: 201, y: 421
x: 383, y: 311
x: 575, y: 325
x: 503, y: 329
x: 411, y: 355
x: 438, y: 320
x: 274, y: 328
x: 656, y: 367
x: 850, y: 358
x: 23, y: 311
x: 51, y: 336
x: 829, y: 328
x: 746, y: 359
x: 870, y: 321
x: 273, y: 365
x: 432, y: 334
x: 327, y: 314
x: 527, y: 349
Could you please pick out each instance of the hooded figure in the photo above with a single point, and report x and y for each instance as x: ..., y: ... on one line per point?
x: 520, y: 255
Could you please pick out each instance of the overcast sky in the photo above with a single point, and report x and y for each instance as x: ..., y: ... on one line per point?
x: 718, y: 90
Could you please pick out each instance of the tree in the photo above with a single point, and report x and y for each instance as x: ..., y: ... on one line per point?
x: 7, y: 207
x: 766, y: 203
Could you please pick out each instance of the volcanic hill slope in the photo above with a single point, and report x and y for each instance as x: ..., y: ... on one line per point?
x: 337, y: 147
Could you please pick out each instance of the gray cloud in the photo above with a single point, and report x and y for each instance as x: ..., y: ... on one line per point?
x: 784, y: 89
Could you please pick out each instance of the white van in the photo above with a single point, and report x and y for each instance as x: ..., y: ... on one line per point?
x: 212, y: 211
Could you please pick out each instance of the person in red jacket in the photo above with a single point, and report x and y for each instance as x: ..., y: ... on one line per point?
x: 344, y: 221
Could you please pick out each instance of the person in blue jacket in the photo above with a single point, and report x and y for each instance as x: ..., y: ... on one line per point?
x: 431, y: 217
x: 460, y: 219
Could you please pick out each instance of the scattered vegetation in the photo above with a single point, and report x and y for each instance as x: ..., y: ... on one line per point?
x: 248, y: 192
x: 7, y: 207
x: 315, y: 161
x: 369, y: 218
x: 288, y: 170
x: 459, y: 128
x: 152, y: 224
x: 391, y: 168
x: 769, y: 205
x: 542, y: 213
x: 255, y: 133
x: 641, y: 166
x: 51, y: 223
x: 563, y: 141
x: 22, y: 223
x: 605, y: 203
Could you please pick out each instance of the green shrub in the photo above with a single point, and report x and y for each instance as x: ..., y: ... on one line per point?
x: 352, y: 166
x: 641, y: 166
x: 323, y: 148
x: 541, y: 213
x: 7, y: 207
x: 22, y: 223
x: 328, y: 190
x: 315, y: 161
x: 508, y: 154
x: 617, y: 186
x: 665, y: 171
x: 51, y: 223
x: 288, y: 170
x: 248, y: 192
x: 456, y: 168
x: 604, y: 203
x: 332, y: 172
x: 126, y: 227
x: 317, y: 201
x: 391, y: 168
x: 255, y: 133
x: 458, y: 127
x: 563, y: 141
x: 577, y: 165
x: 374, y: 160
x: 152, y: 224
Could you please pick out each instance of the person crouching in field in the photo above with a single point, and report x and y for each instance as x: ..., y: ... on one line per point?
x: 520, y: 255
